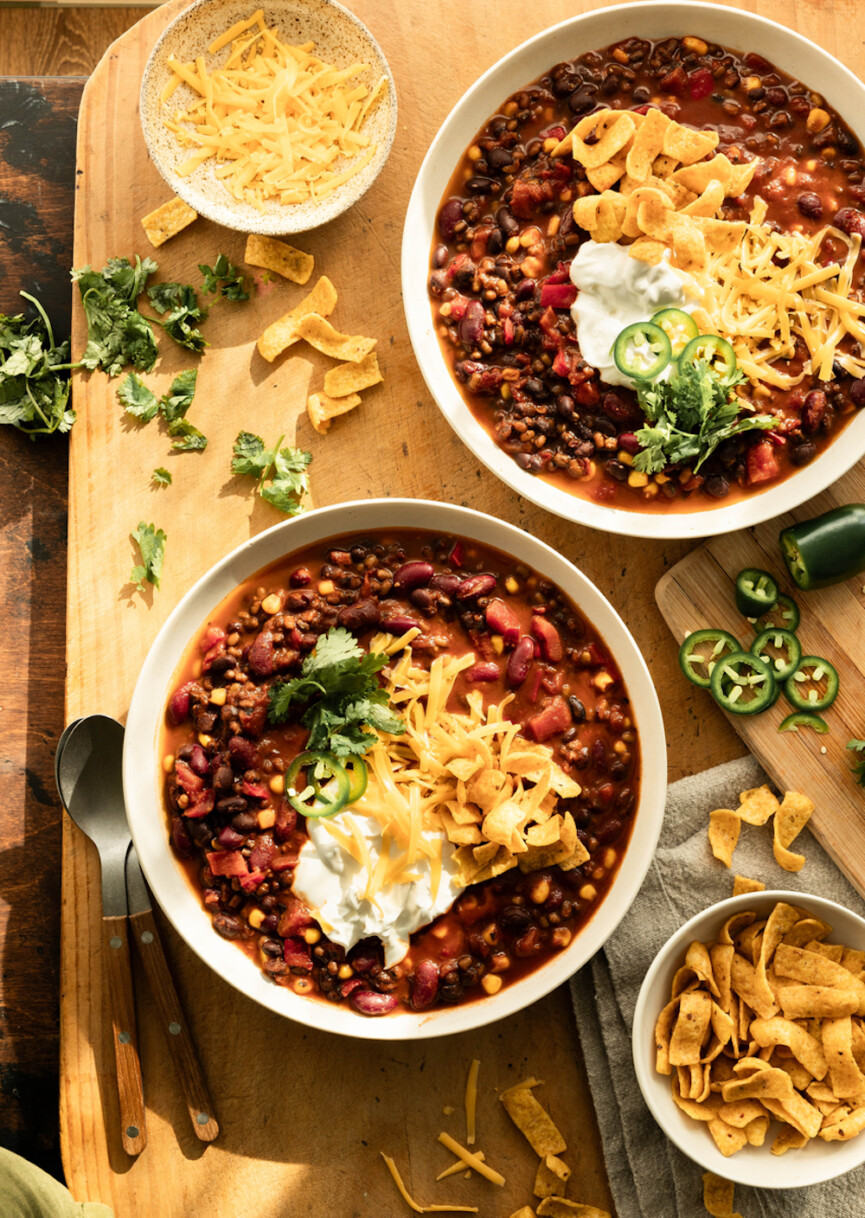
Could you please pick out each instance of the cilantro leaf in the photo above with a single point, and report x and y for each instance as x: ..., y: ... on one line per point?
x: 189, y: 438
x: 151, y: 543
x: 689, y: 415
x: 339, y: 687
x: 858, y: 767
x: 161, y: 477
x: 286, y: 467
x: 180, y: 302
x: 137, y: 400
x: 34, y: 374
x: 225, y: 278
x: 117, y: 334
x: 174, y: 404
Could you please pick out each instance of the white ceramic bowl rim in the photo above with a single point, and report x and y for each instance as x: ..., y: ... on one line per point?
x: 756, y: 1166
x: 732, y: 27
x: 200, y: 189
x: 142, y: 780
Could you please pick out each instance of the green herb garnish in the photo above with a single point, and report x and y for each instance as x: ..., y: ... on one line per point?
x: 34, y: 375
x: 858, y: 766
x: 117, y: 334
x: 161, y: 476
x: 137, y: 400
x: 188, y: 438
x: 151, y: 543
x: 180, y: 302
x: 689, y: 415
x: 286, y: 467
x: 339, y: 687
x: 225, y: 278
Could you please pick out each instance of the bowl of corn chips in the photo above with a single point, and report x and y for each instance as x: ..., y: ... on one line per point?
x: 269, y: 121
x: 749, y: 1039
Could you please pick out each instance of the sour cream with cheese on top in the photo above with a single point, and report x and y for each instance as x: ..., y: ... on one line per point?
x: 615, y: 291
x: 332, y: 884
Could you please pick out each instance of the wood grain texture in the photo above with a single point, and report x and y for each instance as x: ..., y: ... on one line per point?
x: 174, y: 1025
x: 699, y: 591
x: 65, y: 42
x: 293, y: 1094
x: 117, y: 963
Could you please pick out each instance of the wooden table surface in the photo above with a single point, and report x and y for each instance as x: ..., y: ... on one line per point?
x: 36, y: 190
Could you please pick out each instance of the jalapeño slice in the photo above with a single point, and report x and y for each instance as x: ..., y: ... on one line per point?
x: 784, y: 613
x: 804, y: 719
x: 783, y: 641
x: 678, y: 326
x: 642, y: 351
x: 756, y: 592
x: 828, y: 549
x: 359, y: 776
x: 716, y: 351
x: 326, y: 786
x: 701, y: 651
x: 813, y: 686
x: 743, y: 684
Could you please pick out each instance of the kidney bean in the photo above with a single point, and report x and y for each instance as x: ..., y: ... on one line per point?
x: 520, y: 661
x: 549, y: 638
x: 223, y: 779
x: 850, y: 221
x: 857, y: 393
x: 476, y: 585
x: 365, y: 959
x: 360, y: 616
x: 810, y: 205
x: 471, y: 327
x: 414, y: 574
x: 300, y: 578
x: 528, y: 944
x: 230, y: 838
x: 449, y: 217
x: 180, y: 837
x: 424, y: 985
x: 525, y: 290
x: 629, y: 442
x: 608, y: 832
x: 229, y: 926
x: 446, y: 583
x: 399, y: 623
x: 178, y: 706
x: 502, y: 620
x: 198, y: 761
x: 813, y: 409
x: 369, y: 1002
x: 243, y: 753
x: 483, y: 672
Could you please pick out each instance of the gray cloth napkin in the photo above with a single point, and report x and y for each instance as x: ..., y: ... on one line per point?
x: 649, y: 1176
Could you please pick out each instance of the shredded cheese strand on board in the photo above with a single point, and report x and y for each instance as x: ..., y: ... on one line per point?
x: 472, y: 1101
x: 422, y: 1209
x: 772, y: 290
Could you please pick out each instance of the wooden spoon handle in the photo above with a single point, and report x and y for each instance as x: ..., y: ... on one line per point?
x: 174, y: 1025
x: 129, y: 1087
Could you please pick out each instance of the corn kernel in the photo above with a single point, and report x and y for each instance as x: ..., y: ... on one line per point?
x: 439, y: 932
x: 661, y: 478
x: 491, y: 983
x: 610, y: 857
x: 512, y: 245
x: 204, y: 740
x: 498, y: 644
x: 650, y: 491
x: 531, y: 267
x: 272, y: 604
x: 512, y: 585
x: 635, y: 478
x: 345, y: 971
x: 695, y: 45
x: 560, y: 937
x: 752, y: 82
x: 620, y: 747
x: 445, y: 309
x: 602, y: 680
x: 197, y: 669
x: 817, y: 120
x: 588, y: 892
x: 550, y: 144
x: 511, y: 108
x: 810, y: 166
x: 539, y: 891
x: 311, y: 935
x: 474, y: 153
x: 266, y: 818
x: 553, y: 226
x: 530, y: 237
x: 326, y: 586
x: 256, y: 917
x: 218, y: 696
x: 168, y: 762
x: 505, y: 392
x: 500, y: 962
x: 790, y: 175
x: 277, y: 784
x: 685, y: 475
x: 625, y: 458
x: 301, y: 985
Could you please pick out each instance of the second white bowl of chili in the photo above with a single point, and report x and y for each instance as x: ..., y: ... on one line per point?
x: 537, y: 422
x: 199, y: 773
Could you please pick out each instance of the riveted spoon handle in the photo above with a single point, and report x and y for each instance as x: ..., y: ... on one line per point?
x: 129, y: 1087
x: 173, y: 1021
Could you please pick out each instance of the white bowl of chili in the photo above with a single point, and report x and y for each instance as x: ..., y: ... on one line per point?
x: 604, y: 501
x: 819, y: 1160
x: 144, y: 777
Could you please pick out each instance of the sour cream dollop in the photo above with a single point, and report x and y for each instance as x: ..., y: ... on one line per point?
x: 615, y: 291
x: 332, y: 884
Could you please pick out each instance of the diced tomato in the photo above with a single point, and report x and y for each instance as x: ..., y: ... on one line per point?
x: 227, y: 863
x: 250, y: 882
x: 200, y: 805
x: 255, y: 790
x: 508, y: 331
x: 262, y: 852
x: 563, y: 364
x: 212, y: 636
x: 701, y: 83
x: 558, y: 295
x: 189, y: 782
x: 456, y: 555
x: 549, y: 322
x: 297, y: 954
x: 552, y: 719
x: 528, y: 195
x: 549, y: 639
x: 762, y: 462
x: 294, y: 919
x: 502, y: 620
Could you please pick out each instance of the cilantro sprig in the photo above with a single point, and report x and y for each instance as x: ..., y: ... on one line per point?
x: 285, y: 467
x: 151, y: 543
x: 117, y: 334
x: 143, y: 404
x: 345, y: 705
x: 178, y: 303
x: 689, y: 415
x: 858, y: 766
x: 34, y: 374
x: 224, y: 278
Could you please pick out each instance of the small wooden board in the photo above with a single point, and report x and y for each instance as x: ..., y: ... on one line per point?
x: 699, y: 591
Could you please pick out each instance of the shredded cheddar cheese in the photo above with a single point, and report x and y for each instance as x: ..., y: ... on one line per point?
x: 422, y: 1209
x: 472, y: 1101
x: 772, y: 290
x: 280, y: 123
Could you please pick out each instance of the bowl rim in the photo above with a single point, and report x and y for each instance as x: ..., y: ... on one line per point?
x: 655, y: 1087
x: 220, y: 213
x: 141, y: 769
x: 848, y: 446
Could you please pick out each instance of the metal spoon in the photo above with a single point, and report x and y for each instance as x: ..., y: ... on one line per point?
x: 89, y: 781
x: 104, y: 738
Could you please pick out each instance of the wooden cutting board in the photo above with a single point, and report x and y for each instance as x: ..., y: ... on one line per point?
x: 699, y: 591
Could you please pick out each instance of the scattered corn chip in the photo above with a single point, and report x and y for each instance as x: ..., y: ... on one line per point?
x: 320, y: 334
x: 167, y: 221
x: 742, y: 883
x: 559, y: 1207
x: 790, y: 820
x: 280, y: 257
x: 552, y: 1173
x: 533, y: 1122
x: 282, y: 333
x: 352, y: 377
x: 718, y: 1196
x: 323, y: 409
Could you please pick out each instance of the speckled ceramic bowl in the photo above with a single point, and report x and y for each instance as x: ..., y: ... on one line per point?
x: 339, y: 37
